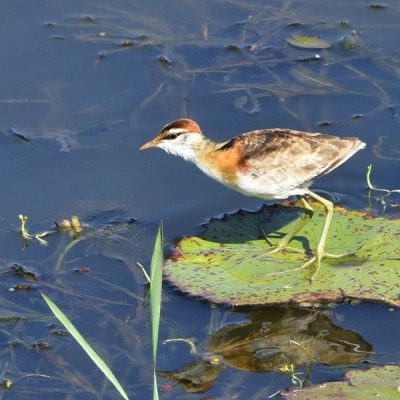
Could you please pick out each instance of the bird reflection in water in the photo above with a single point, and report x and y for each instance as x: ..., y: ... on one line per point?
x: 272, y: 339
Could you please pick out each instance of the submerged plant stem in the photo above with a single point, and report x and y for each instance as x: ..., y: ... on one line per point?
x: 372, y: 187
x: 193, y: 349
x: 61, y: 258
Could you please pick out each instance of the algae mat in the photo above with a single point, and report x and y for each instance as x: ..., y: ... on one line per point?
x: 228, y: 262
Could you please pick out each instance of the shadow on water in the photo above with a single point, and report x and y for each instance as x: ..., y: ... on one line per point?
x: 84, y: 84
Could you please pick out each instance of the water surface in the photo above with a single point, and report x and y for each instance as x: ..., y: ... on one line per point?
x: 84, y: 84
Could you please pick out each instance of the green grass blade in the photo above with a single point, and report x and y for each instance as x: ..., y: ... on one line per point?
x: 155, y: 389
x: 85, y: 345
x: 156, y: 268
x: 155, y: 288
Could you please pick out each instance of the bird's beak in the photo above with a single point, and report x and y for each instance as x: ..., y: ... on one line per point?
x: 153, y: 143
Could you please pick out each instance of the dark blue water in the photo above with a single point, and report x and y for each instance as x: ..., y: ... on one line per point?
x: 75, y: 106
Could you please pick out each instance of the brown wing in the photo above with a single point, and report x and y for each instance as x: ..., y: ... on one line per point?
x: 307, y: 155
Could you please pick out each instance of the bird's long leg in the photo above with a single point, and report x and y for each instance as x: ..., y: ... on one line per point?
x: 283, y: 243
x: 320, y: 252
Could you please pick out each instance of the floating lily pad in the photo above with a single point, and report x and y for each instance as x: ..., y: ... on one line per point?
x: 228, y: 262
x: 308, y: 42
x: 375, y: 383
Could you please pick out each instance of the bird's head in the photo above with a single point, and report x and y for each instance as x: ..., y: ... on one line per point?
x: 181, y: 137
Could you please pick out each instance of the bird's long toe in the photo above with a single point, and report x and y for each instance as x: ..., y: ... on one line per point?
x: 279, y: 248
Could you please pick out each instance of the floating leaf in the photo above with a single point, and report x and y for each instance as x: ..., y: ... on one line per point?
x: 308, y: 42
x: 375, y: 383
x: 228, y: 262
x: 377, y: 6
x: 232, y: 47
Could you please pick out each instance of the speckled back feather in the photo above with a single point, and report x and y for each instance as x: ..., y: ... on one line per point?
x: 309, y: 155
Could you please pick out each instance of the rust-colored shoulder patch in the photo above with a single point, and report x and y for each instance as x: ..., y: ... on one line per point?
x: 228, y: 160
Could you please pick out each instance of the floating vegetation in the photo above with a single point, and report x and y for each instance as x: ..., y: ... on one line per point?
x: 380, y: 382
x: 26, y: 236
x: 127, y: 43
x: 6, y: 383
x: 21, y: 287
x: 164, y: 60
x: 386, y: 192
x: 290, y: 369
x: 228, y: 262
x: 80, y: 234
x: 24, y: 231
x: 314, y: 57
x: 377, y: 6
x: 73, y: 226
x: 324, y: 124
x: 308, y: 42
x: 232, y: 47
x: 104, y: 249
x: 375, y: 189
x: 21, y: 136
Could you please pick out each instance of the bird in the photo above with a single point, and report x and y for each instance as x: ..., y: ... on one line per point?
x: 271, y: 164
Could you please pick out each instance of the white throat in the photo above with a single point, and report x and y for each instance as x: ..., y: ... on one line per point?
x: 185, y: 145
x: 183, y: 151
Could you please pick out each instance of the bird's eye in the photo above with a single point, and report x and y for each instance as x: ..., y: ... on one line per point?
x: 172, y: 135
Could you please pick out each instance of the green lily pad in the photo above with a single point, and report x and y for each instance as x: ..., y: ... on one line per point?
x: 228, y: 263
x: 308, y: 42
x: 376, y: 383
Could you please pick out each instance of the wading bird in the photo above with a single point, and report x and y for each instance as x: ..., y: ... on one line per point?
x: 267, y: 163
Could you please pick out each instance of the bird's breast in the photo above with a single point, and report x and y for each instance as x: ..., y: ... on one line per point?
x: 225, y: 166
x: 229, y: 168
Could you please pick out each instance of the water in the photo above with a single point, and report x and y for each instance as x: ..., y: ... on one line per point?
x: 75, y: 107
